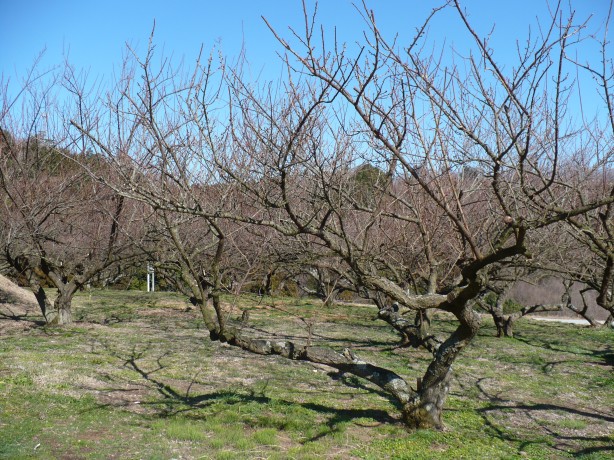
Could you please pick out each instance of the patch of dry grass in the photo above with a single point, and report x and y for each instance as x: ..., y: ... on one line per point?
x: 142, y: 365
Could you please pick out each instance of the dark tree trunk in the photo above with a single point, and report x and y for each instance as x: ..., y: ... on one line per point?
x: 508, y: 326
x: 423, y: 322
x: 62, y: 306
x: 504, y: 325
x: 424, y: 410
x: 499, y: 324
x: 207, y: 314
x: 217, y: 282
x: 62, y: 313
x: 267, y: 287
x: 58, y: 312
x: 412, y: 335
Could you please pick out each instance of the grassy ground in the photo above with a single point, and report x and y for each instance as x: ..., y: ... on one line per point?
x: 135, y: 377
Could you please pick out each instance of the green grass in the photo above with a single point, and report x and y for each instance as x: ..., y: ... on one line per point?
x: 136, y: 377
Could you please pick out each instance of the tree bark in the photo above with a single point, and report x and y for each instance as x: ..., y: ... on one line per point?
x: 61, y: 313
x: 504, y: 325
x: 584, y: 311
x: 499, y: 322
x: 413, y: 335
x: 346, y: 361
x: 508, y: 327
x: 424, y: 410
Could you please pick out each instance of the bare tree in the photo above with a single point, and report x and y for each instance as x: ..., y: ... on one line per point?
x: 60, y: 228
x: 589, y: 262
x: 470, y: 158
x: 426, y: 118
x: 498, y: 294
x: 588, y: 257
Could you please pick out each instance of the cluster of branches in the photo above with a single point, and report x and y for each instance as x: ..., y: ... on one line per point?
x: 392, y: 172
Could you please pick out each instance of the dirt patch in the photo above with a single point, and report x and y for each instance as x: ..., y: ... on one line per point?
x: 161, y: 312
x: 95, y: 435
x: 17, y: 319
x: 18, y: 308
x: 130, y: 398
x: 11, y: 293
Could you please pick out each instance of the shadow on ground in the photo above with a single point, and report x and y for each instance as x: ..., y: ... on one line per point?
x: 172, y: 401
x: 532, y: 419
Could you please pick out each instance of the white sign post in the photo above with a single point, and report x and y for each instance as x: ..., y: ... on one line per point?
x: 151, y: 280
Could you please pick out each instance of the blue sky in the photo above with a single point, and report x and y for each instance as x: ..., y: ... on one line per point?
x: 93, y: 34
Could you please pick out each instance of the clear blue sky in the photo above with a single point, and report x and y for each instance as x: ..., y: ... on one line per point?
x: 93, y: 34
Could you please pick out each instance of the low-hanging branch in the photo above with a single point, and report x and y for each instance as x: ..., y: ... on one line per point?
x: 345, y: 361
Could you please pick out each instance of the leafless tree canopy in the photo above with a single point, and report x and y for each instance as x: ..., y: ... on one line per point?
x: 414, y: 176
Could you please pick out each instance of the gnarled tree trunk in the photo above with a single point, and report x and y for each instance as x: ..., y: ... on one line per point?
x: 412, y: 334
x: 425, y: 408
x: 505, y: 323
x: 61, y: 313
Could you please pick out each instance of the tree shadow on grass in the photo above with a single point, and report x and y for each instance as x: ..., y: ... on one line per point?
x: 535, y: 413
x: 356, y: 343
x: 19, y: 315
x: 606, y: 355
x: 172, y: 402
x: 25, y: 318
